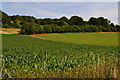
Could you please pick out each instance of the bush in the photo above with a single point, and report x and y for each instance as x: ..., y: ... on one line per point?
x: 5, y: 26
x: 28, y: 28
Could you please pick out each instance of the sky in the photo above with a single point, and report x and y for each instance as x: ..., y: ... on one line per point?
x: 86, y: 10
x: 60, y: 0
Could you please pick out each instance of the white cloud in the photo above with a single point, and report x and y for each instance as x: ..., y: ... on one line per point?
x: 107, y: 10
x: 32, y: 10
x: 47, y: 13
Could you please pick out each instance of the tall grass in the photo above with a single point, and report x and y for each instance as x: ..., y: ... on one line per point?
x: 100, y: 70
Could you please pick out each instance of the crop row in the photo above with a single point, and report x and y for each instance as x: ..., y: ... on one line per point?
x: 27, y: 55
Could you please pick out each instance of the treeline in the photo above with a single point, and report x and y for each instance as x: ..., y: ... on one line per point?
x: 31, y: 25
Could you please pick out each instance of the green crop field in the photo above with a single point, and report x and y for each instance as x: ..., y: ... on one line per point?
x: 60, y: 56
x: 105, y: 39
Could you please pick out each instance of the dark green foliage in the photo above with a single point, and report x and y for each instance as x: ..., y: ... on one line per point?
x: 64, y: 19
x: 90, y: 28
x: 94, y: 21
x: 47, y: 28
x: 76, y: 20
x: 5, y: 19
x: 59, y: 30
x: 28, y: 28
x: 54, y: 28
x: 40, y: 29
x: 67, y: 28
x: 31, y: 25
x: 113, y: 29
x: 38, y: 21
x: 6, y: 26
x: 99, y: 21
x: 46, y: 21
x: 104, y: 22
x: 118, y: 28
x: 112, y: 25
x: 76, y: 29
x: 61, y: 23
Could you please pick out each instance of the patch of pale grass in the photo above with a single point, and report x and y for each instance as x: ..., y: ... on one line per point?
x: 9, y: 30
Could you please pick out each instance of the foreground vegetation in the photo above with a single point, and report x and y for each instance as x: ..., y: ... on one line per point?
x: 30, y: 57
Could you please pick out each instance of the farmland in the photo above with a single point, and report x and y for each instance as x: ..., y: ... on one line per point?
x: 104, y: 39
x: 60, y: 56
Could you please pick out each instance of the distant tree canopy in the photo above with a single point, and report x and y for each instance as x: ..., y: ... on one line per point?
x: 64, y: 19
x: 31, y: 25
x: 76, y: 20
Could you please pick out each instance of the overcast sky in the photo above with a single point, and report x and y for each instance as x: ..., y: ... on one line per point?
x: 57, y: 9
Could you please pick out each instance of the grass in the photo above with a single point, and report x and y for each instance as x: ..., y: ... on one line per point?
x: 29, y: 57
x: 104, y: 39
x: 9, y: 30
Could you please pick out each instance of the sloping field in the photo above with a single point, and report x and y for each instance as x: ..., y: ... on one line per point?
x: 104, y: 39
x: 9, y: 31
x: 29, y: 57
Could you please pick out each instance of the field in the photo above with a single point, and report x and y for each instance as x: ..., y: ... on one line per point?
x: 9, y: 30
x: 60, y: 56
x: 104, y: 39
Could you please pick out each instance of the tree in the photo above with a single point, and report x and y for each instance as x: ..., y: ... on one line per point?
x: 76, y: 20
x: 31, y: 25
x: 47, y: 29
x: 104, y: 22
x: 5, y: 19
x: 59, y: 29
x: 62, y: 23
x: 76, y: 28
x: 118, y: 28
x: 38, y: 21
x: 54, y: 28
x: 28, y: 28
x: 90, y: 28
x: 64, y: 19
x: 94, y: 21
x: 41, y: 29
x: 112, y: 25
x: 46, y: 21
x: 17, y: 24
x: 113, y: 29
